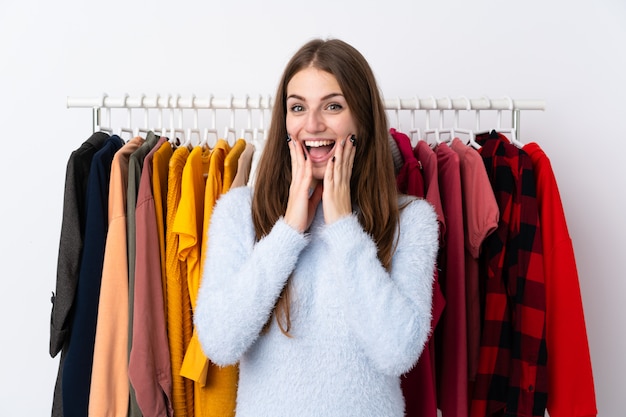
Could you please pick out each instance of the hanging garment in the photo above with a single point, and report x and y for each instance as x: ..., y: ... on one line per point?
x: 571, y: 390
x: 215, y: 387
x: 481, y: 215
x: 109, y: 379
x: 231, y: 164
x: 244, y: 165
x: 160, y: 168
x: 396, y: 154
x: 451, y: 333
x: 149, y: 368
x: 135, y: 166
x: 70, y: 250
x: 409, y: 178
x: 79, y: 358
x: 512, y: 373
x: 179, y: 321
x: 419, y: 385
x: 221, y: 387
x: 428, y: 159
x: 188, y: 227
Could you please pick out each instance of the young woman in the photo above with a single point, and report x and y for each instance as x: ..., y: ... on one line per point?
x: 318, y: 281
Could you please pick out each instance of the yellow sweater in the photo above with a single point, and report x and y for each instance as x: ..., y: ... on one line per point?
x: 215, y: 388
x: 179, y: 320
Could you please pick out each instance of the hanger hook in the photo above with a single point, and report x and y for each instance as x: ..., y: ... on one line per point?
x: 478, y: 112
x: 441, y: 111
x: 514, y: 117
x: 488, y: 102
x: 98, y: 117
x: 102, y: 99
x: 499, y: 114
x: 128, y: 111
x: 433, y: 107
x: 231, y: 126
x: 397, y: 111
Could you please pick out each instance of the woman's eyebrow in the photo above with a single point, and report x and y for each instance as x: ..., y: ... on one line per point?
x: 326, y: 97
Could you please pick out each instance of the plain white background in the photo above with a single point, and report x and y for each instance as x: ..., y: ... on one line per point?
x: 570, y: 54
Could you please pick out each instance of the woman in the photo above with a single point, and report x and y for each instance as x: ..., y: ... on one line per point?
x: 318, y: 281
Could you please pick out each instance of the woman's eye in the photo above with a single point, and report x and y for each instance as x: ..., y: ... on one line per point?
x: 334, y: 107
x: 296, y: 108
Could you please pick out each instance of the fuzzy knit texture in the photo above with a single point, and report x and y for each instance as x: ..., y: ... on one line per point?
x: 355, y: 327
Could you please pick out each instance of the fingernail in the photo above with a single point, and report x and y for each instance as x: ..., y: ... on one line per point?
x: 353, y: 140
x: 288, y: 138
x: 333, y: 158
x: 343, y: 142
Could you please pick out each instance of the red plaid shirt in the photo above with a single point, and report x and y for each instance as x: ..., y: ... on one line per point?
x: 512, y: 372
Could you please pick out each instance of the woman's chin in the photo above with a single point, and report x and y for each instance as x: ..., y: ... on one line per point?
x: 318, y: 172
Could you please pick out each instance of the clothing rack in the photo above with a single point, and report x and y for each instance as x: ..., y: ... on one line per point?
x: 262, y: 104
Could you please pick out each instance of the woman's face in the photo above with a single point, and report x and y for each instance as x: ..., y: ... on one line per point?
x: 318, y: 116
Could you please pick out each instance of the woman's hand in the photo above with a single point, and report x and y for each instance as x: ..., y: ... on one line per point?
x: 336, y: 198
x: 302, y: 203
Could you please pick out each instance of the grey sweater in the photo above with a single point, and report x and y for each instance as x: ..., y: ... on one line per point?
x: 355, y: 327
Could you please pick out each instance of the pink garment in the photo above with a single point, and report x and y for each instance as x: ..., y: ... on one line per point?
x: 149, y: 369
x: 451, y: 335
x: 428, y: 159
x: 409, y: 179
x: 419, y: 384
x: 481, y: 215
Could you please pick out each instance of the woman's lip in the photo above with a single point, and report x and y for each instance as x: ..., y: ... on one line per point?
x: 324, y: 158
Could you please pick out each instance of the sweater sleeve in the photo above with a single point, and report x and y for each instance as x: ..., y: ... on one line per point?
x: 389, y: 313
x: 242, y: 278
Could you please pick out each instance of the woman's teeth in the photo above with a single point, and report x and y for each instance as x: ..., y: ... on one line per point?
x: 318, y: 150
x: 318, y: 143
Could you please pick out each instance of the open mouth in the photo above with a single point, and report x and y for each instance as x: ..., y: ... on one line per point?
x: 319, y: 150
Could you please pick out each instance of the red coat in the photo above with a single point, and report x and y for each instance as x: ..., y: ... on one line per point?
x: 570, y: 379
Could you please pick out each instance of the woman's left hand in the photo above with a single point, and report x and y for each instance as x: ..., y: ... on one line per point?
x: 336, y: 198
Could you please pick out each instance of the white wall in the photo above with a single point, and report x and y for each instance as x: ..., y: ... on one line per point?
x: 571, y: 54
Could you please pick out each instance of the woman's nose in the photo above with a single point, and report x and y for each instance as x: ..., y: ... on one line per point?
x: 314, y: 122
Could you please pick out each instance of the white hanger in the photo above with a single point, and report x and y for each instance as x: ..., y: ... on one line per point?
x: 414, y: 129
x: 397, y: 113
x: 142, y: 131
x: 160, y: 126
x: 175, y: 131
x: 247, y: 130
x: 468, y: 132
x: 442, y: 131
x: 190, y: 132
x: 259, y: 131
x: 100, y: 127
x: 513, y: 131
x: 230, y: 129
x: 428, y: 130
x: 212, y: 130
x: 477, y: 130
x: 128, y: 128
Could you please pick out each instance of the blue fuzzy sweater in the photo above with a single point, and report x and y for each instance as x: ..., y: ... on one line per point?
x: 355, y: 327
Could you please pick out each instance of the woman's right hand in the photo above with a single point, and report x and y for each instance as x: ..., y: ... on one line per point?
x: 302, y: 203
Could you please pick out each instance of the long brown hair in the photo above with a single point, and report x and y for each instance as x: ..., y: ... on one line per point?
x: 372, y: 185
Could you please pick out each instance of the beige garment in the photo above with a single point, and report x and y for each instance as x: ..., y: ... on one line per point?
x: 109, y: 391
x: 244, y: 165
